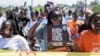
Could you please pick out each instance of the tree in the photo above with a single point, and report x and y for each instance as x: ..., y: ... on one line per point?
x: 74, y: 6
x: 37, y: 8
x: 80, y: 3
x: 93, y: 3
x: 96, y: 8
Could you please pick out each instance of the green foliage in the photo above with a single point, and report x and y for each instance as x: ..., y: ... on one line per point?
x: 37, y: 8
x: 4, y: 9
x: 93, y: 3
x: 80, y: 3
x: 96, y: 8
x: 74, y: 6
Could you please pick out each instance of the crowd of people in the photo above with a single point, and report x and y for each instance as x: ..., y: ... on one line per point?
x: 24, y: 29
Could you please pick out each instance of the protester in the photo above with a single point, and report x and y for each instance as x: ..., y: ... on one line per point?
x: 12, y: 15
x: 40, y: 22
x: 85, y: 25
x: 55, y: 18
x: 73, y: 25
x: 22, y: 18
x: 89, y: 41
x: 82, y: 17
x: 10, y: 39
x: 8, y: 14
x: 68, y: 16
x: 30, y: 23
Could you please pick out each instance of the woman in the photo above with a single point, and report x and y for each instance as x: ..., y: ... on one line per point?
x: 10, y: 40
x: 90, y: 40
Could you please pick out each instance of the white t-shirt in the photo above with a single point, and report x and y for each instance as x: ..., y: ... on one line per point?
x: 67, y: 17
x: 0, y: 36
x: 82, y: 18
x: 63, y: 20
x: 17, y: 42
x: 27, y: 27
x: 2, y: 19
x: 30, y: 24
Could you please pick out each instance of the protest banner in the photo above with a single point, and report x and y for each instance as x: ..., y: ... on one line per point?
x: 33, y: 53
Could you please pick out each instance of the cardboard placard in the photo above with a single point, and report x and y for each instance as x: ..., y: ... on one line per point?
x: 57, y: 36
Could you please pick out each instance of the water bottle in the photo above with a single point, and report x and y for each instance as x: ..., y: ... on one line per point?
x: 42, y: 46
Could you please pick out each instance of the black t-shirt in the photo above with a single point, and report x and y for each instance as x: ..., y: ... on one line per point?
x: 82, y: 28
x: 23, y: 20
